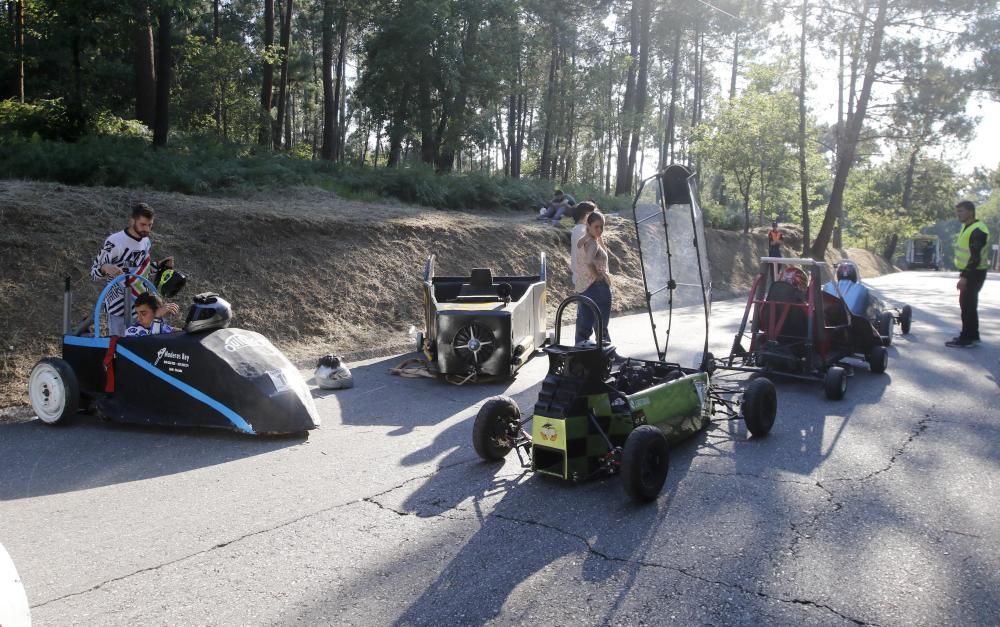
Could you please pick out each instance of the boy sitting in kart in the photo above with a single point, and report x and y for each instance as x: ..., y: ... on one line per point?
x: 149, y: 309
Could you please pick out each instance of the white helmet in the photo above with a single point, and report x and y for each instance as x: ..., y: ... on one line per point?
x: 333, y: 374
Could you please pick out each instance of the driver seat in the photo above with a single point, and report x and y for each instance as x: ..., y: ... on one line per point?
x: 480, y: 285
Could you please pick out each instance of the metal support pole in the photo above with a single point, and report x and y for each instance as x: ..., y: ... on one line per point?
x: 67, y: 306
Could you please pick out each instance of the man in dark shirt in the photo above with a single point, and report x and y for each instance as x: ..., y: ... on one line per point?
x: 972, y: 262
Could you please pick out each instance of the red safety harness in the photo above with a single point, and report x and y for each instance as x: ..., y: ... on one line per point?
x: 109, y: 365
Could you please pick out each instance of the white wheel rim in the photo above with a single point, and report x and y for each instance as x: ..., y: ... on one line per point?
x: 47, y: 392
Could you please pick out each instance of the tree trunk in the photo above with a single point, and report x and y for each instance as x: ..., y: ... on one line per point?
x: 340, y: 125
x: 397, y: 128
x: 803, y: 178
x: 668, y: 131
x: 907, y: 197
x: 838, y: 240
x: 640, y: 89
x: 451, y: 141
x: 329, y: 107
x: 425, y: 115
x: 846, y: 159
x: 161, y: 126
x: 145, y: 71
x: 623, y: 180
x: 19, y: 48
x: 522, y: 108
x: 550, y: 89
x: 267, y: 83
x: 215, y: 21
x: 286, y: 36
x: 289, y: 120
x: 736, y: 64
x: 504, y: 151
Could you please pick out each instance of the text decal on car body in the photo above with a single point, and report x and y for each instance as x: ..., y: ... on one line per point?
x: 174, y: 362
x: 238, y: 341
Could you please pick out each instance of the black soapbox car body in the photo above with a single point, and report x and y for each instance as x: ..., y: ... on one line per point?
x: 219, y: 376
x: 482, y: 324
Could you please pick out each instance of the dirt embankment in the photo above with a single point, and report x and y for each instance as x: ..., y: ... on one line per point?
x: 313, y: 272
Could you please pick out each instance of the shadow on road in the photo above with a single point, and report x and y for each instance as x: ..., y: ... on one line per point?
x: 36, y: 459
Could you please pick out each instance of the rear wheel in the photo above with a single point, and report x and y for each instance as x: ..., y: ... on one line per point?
x: 645, y: 462
x: 497, y: 425
x: 760, y: 404
x: 886, y: 326
x: 905, y: 318
x: 835, y: 382
x: 878, y: 359
x: 53, y: 390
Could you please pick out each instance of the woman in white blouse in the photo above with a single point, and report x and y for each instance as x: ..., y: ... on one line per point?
x: 591, y: 278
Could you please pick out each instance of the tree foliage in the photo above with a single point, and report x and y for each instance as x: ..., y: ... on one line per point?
x: 591, y: 94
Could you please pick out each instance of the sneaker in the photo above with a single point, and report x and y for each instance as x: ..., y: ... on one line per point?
x: 960, y: 343
x: 332, y: 374
x: 958, y: 338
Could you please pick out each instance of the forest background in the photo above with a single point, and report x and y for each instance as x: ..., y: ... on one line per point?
x: 493, y: 103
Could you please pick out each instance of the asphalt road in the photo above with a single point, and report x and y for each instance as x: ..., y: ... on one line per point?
x: 877, y: 509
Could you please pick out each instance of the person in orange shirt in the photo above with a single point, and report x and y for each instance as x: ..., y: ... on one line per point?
x: 774, y: 238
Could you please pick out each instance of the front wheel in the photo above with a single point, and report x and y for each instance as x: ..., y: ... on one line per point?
x: 496, y: 428
x: 645, y: 462
x: 760, y: 404
x: 835, y: 382
x: 905, y: 318
x: 886, y: 326
x: 53, y: 390
x: 878, y: 359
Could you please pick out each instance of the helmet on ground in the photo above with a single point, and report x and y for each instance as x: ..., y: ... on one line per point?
x: 169, y: 281
x: 333, y: 374
x: 208, y: 312
x: 848, y: 270
x: 795, y: 276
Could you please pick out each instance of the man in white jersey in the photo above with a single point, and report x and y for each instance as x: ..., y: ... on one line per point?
x: 128, y: 250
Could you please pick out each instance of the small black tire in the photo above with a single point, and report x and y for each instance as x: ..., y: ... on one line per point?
x: 645, y: 462
x: 760, y: 405
x: 496, y: 426
x: 905, y: 318
x: 878, y: 359
x: 835, y: 382
x: 420, y: 341
x: 707, y: 363
x: 54, y: 391
x: 886, y: 327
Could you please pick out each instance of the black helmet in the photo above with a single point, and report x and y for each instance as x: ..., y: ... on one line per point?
x: 848, y: 270
x: 208, y: 312
x: 169, y: 281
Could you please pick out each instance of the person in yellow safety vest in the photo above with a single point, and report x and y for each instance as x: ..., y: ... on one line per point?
x: 971, y: 261
x: 774, y: 238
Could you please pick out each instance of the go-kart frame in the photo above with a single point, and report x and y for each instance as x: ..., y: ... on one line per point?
x: 597, y: 414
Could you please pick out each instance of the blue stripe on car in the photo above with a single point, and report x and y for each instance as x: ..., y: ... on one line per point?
x: 102, y: 342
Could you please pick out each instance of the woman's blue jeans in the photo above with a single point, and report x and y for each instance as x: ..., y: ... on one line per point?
x: 600, y: 293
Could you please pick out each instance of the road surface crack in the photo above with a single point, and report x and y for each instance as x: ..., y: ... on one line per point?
x: 243, y: 537
x: 682, y: 571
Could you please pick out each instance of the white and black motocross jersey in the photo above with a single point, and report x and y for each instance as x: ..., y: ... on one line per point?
x: 128, y: 253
